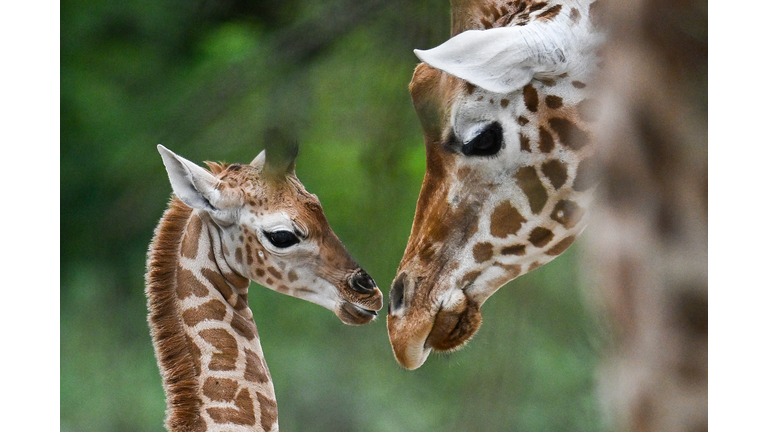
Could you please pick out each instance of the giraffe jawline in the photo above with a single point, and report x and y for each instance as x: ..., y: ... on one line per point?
x: 353, y: 314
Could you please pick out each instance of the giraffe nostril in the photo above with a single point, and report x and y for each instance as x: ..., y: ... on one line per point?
x: 362, y: 282
x: 396, y: 293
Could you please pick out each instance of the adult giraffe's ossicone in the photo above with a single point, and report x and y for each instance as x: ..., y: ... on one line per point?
x: 505, y: 108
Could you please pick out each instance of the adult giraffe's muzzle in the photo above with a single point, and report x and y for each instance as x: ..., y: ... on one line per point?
x: 418, y: 321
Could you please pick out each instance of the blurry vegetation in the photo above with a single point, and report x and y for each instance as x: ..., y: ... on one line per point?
x: 205, y: 78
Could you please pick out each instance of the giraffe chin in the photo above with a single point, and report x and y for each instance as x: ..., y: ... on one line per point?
x: 453, y: 328
x: 352, y: 314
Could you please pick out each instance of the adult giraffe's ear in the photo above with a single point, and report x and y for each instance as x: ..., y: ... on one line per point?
x: 278, y: 159
x: 504, y: 59
x: 197, y: 187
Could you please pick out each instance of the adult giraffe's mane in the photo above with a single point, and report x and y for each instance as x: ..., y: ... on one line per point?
x: 480, y: 15
x: 177, y: 367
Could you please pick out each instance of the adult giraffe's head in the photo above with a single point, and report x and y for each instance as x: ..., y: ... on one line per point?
x: 505, y: 112
x: 274, y: 232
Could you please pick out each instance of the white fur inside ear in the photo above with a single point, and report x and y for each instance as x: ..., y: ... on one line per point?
x: 193, y: 185
x: 502, y: 60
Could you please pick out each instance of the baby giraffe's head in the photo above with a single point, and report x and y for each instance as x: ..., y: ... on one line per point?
x: 272, y: 231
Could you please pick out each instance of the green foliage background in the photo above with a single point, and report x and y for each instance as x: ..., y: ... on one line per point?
x: 205, y: 78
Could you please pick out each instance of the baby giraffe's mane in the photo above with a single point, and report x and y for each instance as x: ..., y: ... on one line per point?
x: 172, y: 350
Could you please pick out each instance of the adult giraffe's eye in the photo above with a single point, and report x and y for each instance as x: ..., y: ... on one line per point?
x: 486, y: 143
x: 281, y: 239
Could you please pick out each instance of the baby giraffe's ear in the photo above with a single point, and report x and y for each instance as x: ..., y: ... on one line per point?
x: 504, y: 59
x: 198, y: 188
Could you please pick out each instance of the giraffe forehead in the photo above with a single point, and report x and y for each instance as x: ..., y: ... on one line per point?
x: 535, y: 103
x: 286, y: 206
x: 273, y: 204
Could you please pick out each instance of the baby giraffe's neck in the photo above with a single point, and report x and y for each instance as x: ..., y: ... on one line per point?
x: 205, y: 339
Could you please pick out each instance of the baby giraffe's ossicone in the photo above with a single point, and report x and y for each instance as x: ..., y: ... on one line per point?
x: 226, y: 227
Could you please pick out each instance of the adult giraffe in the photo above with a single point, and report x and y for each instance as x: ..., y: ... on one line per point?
x: 505, y: 108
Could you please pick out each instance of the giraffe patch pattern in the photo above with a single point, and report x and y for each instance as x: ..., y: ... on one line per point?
x: 528, y: 180
x: 203, y: 331
x: 535, y: 188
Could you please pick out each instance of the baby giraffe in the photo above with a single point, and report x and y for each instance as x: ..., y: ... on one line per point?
x: 224, y: 228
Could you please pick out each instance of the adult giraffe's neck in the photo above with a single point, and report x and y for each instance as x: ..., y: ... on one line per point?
x: 205, y: 339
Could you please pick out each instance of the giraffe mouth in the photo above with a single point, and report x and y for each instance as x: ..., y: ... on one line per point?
x: 353, y: 314
x: 416, y: 334
x: 453, y: 328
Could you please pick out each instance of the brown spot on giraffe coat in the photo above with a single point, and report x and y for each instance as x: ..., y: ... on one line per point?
x: 192, y: 237
x: 195, y: 351
x: 550, y: 13
x: 529, y: 182
x: 274, y: 272
x: 531, y: 98
x: 570, y: 134
x: 536, y: 6
x: 597, y: 12
x: 188, y: 285
x: 561, y: 246
x: 469, y: 277
x: 268, y: 409
x: 248, y: 254
x: 546, y: 142
x: 575, y: 15
x: 255, y: 369
x: 539, y: 237
x: 518, y: 249
x: 567, y: 213
x: 236, y: 280
x: 220, y: 282
x: 505, y: 220
x: 243, y: 413
x: 220, y: 389
x: 225, y: 344
x: 556, y: 172
x: 244, y: 327
x: 210, y: 310
x: 292, y: 277
x: 553, y: 102
x: 482, y: 252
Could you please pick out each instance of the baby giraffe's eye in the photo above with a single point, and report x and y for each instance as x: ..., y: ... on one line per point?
x: 282, y: 239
